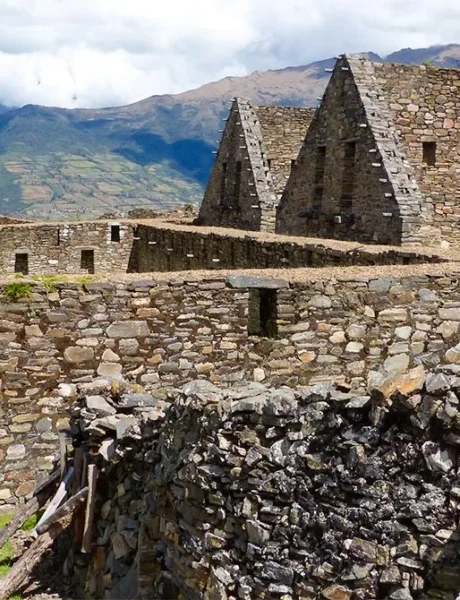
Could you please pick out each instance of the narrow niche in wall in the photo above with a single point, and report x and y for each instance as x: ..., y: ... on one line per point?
x: 429, y: 154
x: 348, y: 180
x: 21, y: 263
x: 237, y: 188
x: 320, y: 165
x: 263, y: 312
x: 115, y: 233
x: 87, y: 261
x: 223, y: 181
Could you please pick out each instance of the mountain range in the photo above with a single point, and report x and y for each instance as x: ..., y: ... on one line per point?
x: 57, y: 163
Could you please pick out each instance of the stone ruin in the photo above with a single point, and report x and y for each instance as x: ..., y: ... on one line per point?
x: 251, y: 492
x: 269, y: 416
x: 378, y: 162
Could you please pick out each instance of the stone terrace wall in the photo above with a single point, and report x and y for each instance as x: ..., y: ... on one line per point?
x: 56, y: 248
x: 163, y: 249
x: 276, y: 494
x: 162, y: 334
x: 425, y: 105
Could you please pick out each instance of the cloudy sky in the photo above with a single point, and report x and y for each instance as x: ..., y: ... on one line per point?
x: 92, y: 53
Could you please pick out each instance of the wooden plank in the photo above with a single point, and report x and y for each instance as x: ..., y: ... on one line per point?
x: 58, y: 498
x: 84, y: 471
x: 62, y: 453
x: 79, y: 482
x: 29, y: 509
x: 78, y: 467
x: 67, y: 508
x: 21, y: 570
x: 52, y: 479
x: 89, y: 514
x: 40, y: 496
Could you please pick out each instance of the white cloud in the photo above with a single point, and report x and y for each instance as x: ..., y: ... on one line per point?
x: 107, y: 52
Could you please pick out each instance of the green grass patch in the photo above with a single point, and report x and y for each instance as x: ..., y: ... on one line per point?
x: 48, y: 281
x: 6, y: 553
x: 32, y: 521
x: 16, y: 291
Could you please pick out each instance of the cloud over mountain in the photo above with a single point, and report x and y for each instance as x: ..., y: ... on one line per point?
x: 94, y: 53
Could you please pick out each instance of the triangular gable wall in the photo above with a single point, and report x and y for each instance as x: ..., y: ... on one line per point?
x: 372, y: 196
x: 401, y: 176
x: 239, y: 193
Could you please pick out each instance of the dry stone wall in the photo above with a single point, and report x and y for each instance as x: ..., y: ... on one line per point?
x: 363, y: 200
x: 317, y: 492
x: 131, y: 246
x: 283, y: 132
x: 158, y: 335
x: 57, y: 248
x: 425, y: 106
x: 163, y: 249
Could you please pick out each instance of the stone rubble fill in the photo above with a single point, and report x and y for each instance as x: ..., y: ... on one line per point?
x: 320, y: 492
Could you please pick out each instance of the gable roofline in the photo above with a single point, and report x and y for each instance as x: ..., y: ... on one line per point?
x: 256, y: 153
x: 389, y: 149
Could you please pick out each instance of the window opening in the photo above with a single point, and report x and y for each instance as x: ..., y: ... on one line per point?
x: 21, y: 263
x: 87, y: 261
x: 269, y: 163
x: 348, y: 179
x: 115, y: 233
x: 320, y: 164
x: 58, y: 237
x: 263, y: 312
x: 429, y: 153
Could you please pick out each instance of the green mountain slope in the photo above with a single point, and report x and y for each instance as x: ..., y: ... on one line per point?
x: 57, y: 163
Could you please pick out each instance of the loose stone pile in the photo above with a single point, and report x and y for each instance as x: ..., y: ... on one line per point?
x: 254, y: 492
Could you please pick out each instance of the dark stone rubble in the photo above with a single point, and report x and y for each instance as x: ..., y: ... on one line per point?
x: 253, y: 492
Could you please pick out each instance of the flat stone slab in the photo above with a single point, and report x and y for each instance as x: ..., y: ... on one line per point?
x: 128, y: 329
x: 246, y: 281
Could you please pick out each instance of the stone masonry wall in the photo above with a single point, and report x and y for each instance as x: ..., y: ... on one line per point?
x: 56, y: 248
x: 159, y: 248
x: 373, y: 198
x: 252, y: 492
x: 336, y: 122
x: 283, y: 132
x: 158, y: 335
x: 425, y: 106
x: 241, y: 200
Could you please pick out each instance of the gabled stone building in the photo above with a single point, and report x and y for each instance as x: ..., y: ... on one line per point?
x: 381, y: 160
x: 258, y: 147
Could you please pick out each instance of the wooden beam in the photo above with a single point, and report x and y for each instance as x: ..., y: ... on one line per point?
x: 58, y: 498
x: 21, y: 570
x: 89, y: 514
x: 78, y: 466
x: 40, y: 496
x: 52, y: 479
x: 62, y: 452
x: 66, y: 509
